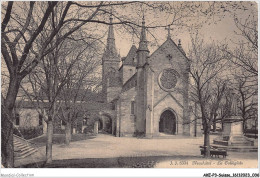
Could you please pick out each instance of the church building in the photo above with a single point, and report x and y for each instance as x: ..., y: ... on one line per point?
x: 149, y: 92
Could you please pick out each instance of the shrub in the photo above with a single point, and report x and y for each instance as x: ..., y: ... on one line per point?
x: 28, y: 133
x: 251, y: 131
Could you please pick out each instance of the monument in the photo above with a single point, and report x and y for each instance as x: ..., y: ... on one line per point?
x: 233, y: 124
x: 232, y: 132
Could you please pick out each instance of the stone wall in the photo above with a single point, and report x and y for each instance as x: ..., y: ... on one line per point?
x: 29, y: 117
x: 149, y: 90
x: 126, y: 119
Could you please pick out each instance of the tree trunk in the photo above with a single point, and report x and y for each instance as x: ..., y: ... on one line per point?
x: 206, y: 143
x: 244, y: 126
x: 214, y: 125
x: 68, y: 133
x: 49, y: 140
x: 7, y: 118
x: 7, y: 148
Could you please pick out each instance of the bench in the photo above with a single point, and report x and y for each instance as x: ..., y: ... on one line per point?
x: 214, y: 151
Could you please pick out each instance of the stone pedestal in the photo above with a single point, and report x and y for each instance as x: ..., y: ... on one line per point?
x: 232, y: 126
x: 95, y: 128
x: 232, y: 135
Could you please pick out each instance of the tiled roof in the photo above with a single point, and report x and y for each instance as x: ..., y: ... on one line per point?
x: 84, y: 106
x: 74, y: 94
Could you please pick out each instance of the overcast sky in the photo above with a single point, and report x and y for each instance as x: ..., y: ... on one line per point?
x: 219, y: 31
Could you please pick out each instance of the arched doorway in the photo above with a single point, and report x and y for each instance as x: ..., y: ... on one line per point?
x: 100, y: 124
x: 106, y: 124
x: 167, y: 123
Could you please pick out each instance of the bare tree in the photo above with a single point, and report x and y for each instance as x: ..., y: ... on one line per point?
x: 207, y: 84
x: 248, y: 93
x: 23, y: 24
x: 244, y: 60
x: 245, y: 54
x: 75, y: 92
x: 17, y: 43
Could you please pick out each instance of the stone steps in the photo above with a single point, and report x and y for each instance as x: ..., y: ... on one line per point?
x: 237, y: 148
x: 242, y: 149
x: 220, y: 142
x: 22, y: 148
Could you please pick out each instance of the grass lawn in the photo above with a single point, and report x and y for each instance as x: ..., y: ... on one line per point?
x: 60, y: 139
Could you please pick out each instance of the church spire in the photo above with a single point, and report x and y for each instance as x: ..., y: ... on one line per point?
x: 111, y: 51
x: 111, y: 30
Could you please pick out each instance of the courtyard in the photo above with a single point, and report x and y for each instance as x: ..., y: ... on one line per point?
x: 109, y: 151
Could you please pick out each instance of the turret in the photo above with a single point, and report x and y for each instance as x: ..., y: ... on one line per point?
x: 142, y: 55
x: 142, y: 52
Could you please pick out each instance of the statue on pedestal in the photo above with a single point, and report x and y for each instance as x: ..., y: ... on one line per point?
x: 234, y: 104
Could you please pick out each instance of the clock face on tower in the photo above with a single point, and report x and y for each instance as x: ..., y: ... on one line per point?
x: 168, y: 79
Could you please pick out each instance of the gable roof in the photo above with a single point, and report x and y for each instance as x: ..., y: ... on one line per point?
x: 171, y: 41
x: 129, y: 59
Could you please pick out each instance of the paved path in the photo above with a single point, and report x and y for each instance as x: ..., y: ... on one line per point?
x: 107, y: 146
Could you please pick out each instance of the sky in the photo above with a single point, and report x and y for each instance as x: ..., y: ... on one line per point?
x: 221, y: 31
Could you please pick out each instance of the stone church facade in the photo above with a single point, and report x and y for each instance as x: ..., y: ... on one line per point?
x: 149, y: 92
x: 143, y: 94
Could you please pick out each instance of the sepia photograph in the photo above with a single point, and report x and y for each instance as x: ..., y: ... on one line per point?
x: 129, y: 84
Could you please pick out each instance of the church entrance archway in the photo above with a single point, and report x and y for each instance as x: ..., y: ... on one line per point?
x: 167, y: 123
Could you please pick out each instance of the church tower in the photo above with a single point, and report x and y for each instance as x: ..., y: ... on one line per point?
x: 142, y: 60
x: 110, y: 60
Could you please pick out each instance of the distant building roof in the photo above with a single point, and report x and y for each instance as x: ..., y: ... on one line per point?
x: 84, y: 105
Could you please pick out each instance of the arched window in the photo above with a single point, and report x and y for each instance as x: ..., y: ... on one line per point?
x: 17, y: 119
x: 40, y: 119
x: 113, y: 106
x: 131, y: 72
x: 132, y: 107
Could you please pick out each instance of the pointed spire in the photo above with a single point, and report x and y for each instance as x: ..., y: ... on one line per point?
x: 143, y: 41
x: 142, y: 52
x: 111, y: 36
x: 111, y: 51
